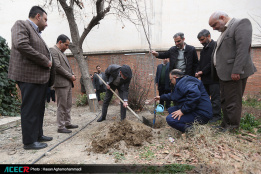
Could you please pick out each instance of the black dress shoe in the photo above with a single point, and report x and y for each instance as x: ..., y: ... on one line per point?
x: 64, y: 131
x: 44, y: 138
x: 35, y: 146
x: 71, y: 126
x: 101, y: 119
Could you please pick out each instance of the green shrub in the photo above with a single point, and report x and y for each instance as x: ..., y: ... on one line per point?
x: 9, y: 101
x: 81, y: 100
x: 249, y: 122
x: 102, y: 95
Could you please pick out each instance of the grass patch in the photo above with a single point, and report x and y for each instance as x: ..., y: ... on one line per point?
x: 249, y: 122
x: 253, y: 102
x: 172, y: 168
x: 148, y: 154
x: 119, y: 156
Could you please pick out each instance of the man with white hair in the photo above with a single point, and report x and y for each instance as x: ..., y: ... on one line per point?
x: 232, y: 64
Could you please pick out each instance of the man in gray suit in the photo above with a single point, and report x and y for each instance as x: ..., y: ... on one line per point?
x: 63, y: 84
x: 118, y: 77
x: 232, y: 64
x: 31, y: 66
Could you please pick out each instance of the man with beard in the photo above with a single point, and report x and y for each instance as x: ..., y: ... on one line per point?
x: 232, y: 64
x: 204, y: 71
x: 181, y: 56
x: 31, y: 65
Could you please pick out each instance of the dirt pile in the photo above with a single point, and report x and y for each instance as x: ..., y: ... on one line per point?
x: 132, y: 133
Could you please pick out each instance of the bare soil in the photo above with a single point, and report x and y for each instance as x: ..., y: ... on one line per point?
x: 132, y: 142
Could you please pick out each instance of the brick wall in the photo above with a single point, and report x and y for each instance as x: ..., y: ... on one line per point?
x: 143, y: 62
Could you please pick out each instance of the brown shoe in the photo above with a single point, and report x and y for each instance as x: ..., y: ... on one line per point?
x: 64, y: 131
x: 71, y: 126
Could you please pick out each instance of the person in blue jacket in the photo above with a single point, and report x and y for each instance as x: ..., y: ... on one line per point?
x: 192, y: 101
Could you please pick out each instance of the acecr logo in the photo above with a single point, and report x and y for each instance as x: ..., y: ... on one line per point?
x: 17, y: 169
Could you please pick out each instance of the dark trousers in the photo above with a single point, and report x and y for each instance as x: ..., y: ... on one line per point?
x: 185, y: 121
x: 162, y: 91
x: 107, y: 99
x: 98, y: 92
x: 50, y: 94
x: 213, y: 90
x: 231, y: 102
x: 32, y: 110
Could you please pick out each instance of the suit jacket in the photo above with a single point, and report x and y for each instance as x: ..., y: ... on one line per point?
x: 63, y: 71
x: 29, y: 55
x: 111, y: 74
x: 190, y: 56
x: 233, y: 51
x: 158, y: 75
x: 96, y: 81
x: 205, y: 63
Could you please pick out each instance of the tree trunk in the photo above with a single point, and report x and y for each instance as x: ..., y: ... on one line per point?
x: 87, y: 81
x: 78, y: 54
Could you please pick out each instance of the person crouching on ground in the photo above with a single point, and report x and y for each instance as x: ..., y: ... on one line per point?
x: 192, y: 102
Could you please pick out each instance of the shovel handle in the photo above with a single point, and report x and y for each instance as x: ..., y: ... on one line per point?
x: 119, y: 98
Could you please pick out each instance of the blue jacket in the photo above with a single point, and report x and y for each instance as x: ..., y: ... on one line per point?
x: 190, y: 96
x: 158, y: 74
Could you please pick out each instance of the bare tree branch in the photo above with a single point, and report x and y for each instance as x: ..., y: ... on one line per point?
x: 101, y: 12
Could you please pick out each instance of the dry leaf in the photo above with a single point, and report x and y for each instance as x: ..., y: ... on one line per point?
x: 176, y: 155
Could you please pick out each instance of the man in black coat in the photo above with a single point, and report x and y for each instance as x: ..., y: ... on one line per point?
x: 181, y: 56
x: 204, y: 71
x: 99, y: 86
x: 118, y: 77
x: 162, y: 80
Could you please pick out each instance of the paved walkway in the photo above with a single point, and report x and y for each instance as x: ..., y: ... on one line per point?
x: 6, y: 121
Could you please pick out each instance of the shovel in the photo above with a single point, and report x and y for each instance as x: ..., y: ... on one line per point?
x: 142, y: 119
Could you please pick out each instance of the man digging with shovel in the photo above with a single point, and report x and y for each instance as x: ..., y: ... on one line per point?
x: 118, y: 77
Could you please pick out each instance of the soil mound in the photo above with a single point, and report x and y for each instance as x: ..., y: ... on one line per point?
x: 132, y: 133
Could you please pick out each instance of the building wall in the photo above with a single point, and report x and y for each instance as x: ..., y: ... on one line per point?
x: 143, y: 63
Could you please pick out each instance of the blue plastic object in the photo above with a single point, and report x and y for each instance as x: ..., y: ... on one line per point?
x: 160, y: 108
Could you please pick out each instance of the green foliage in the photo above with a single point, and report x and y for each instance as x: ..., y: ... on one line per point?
x: 147, y: 154
x: 9, y: 102
x: 119, y: 156
x: 249, y: 122
x: 172, y: 168
x: 102, y: 95
x: 81, y: 100
x: 253, y: 102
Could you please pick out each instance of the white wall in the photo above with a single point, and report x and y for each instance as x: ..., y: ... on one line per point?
x: 167, y: 17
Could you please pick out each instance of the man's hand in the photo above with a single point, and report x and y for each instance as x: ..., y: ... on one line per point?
x: 198, y: 74
x: 73, y: 78
x: 49, y: 64
x: 125, y: 104
x: 156, y: 54
x: 157, y: 98
x: 108, y: 87
x: 176, y: 114
x: 235, y: 77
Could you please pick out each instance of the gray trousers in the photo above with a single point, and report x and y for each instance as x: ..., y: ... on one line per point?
x: 107, y: 99
x: 231, y: 102
x: 213, y: 90
x: 64, y: 105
